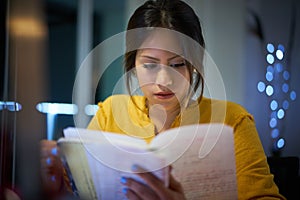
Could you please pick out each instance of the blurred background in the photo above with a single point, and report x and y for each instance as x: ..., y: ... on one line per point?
x: 254, y: 43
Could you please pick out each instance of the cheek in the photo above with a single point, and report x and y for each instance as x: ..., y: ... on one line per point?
x: 182, y: 77
x: 144, y: 77
x: 185, y: 73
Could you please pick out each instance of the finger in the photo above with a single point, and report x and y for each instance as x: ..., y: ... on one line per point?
x: 51, y: 169
x: 49, y: 149
x: 48, y: 144
x: 51, y: 162
x: 51, y: 184
x: 138, y: 189
x: 152, y: 181
x: 174, y: 184
x: 130, y: 194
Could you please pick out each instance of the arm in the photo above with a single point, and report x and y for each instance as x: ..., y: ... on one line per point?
x: 54, y: 178
x: 253, y: 175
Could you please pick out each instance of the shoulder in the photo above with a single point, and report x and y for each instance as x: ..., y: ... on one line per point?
x: 114, y: 110
x: 119, y: 97
x: 224, y: 111
x: 122, y: 103
x: 121, y: 100
x: 228, y: 104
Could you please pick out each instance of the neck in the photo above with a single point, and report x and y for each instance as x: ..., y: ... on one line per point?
x: 162, y: 118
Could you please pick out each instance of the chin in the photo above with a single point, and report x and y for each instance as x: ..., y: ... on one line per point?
x: 168, y: 105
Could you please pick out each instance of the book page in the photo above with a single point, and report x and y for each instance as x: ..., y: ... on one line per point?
x: 75, y: 161
x: 203, y: 160
x: 103, y: 137
x: 109, y: 157
x: 202, y: 157
x: 107, y: 172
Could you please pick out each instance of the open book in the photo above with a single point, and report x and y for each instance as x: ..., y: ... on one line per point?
x: 202, y: 159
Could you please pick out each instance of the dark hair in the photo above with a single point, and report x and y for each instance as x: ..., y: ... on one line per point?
x: 170, y: 14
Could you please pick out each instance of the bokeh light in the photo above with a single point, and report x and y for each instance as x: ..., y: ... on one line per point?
x: 273, y: 105
x: 285, y: 87
x: 281, y: 47
x: 269, y: 90
x: 280, y: 114
x: 278, y: 67
x: 279, y: 54
x: 286, y: 75
x: 285, y: 104
x: 270, y: 59
x: 270, y: 48
x: 269, y: 76
x: 280, y: 143
x: 261, y: 86
x: 293, y: 95
x: 275, y: 133
x: 270, y: 68
x: 273, y: 123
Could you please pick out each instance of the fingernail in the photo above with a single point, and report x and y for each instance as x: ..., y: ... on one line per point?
x: 54, y: 151
x: 123, y: 180
x: 48, y: 161
x: 124, y: 190
x: 134, y: 167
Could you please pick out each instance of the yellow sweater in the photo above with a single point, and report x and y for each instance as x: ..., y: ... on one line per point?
x: 120, y: 115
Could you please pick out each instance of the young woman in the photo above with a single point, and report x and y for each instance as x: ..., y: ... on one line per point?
x: 169, y: 73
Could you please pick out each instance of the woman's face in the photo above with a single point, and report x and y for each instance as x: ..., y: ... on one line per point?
x: 163, y: 77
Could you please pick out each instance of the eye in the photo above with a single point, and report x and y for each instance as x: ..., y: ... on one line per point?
x: 150, y: 65
x: 175, y: 65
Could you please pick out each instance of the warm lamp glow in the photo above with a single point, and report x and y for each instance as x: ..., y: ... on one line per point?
x: 27, y: 27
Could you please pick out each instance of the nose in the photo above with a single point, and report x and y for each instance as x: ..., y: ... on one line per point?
x: 164, y: 77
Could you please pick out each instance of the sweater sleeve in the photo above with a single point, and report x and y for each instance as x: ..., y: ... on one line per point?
x: 253, y: 175
x: 98, y: 122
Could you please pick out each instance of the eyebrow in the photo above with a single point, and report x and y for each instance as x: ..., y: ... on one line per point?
x: 156, y: 59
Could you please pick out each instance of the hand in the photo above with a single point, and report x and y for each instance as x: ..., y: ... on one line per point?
x: 155, y: 188
x: 52, y: 171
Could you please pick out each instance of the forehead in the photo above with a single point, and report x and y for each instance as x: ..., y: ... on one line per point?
x: 162, y: 40
x: 156, y: 53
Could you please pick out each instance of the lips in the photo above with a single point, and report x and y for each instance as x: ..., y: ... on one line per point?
x: 164, y: 95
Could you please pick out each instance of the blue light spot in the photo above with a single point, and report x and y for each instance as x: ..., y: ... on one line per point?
x: 270, y: 69
x: 286, y: 75
x: 280, y: 114
x: 269, y: 90
x: 281, y: 47
x: 285, y: 104
x: 279, y: 67
x: 293, y: 95
x: 279, y: 54
x: 274, y: 114
x: 261, y: 86
x: 285, y: 87
x: 48, y: 161
x: 273, y: 123
x: 269, y: 76
x: 270, y: 48
x: 275, y: 133
x: 280, y: 143
x: 273, y: 105
x: 270, y: 59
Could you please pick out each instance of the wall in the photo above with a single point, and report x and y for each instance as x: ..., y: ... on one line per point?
x: 224, y: 32
x: 279, y: 22
x: 240, y: 56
